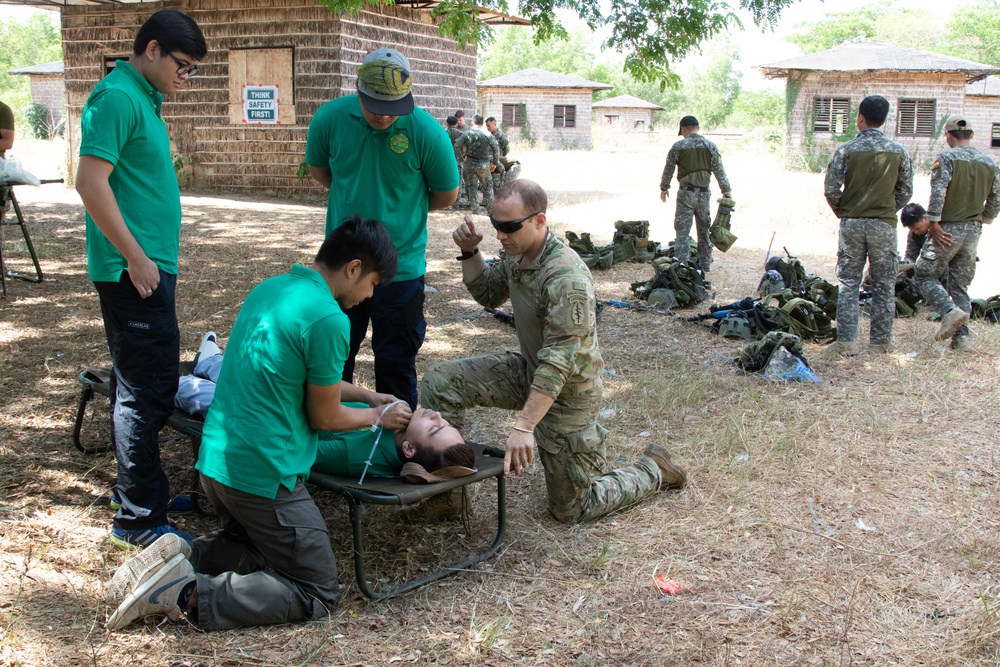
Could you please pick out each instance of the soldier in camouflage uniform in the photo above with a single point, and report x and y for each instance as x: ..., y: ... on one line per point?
x: 555, y: 379
x: 480, y: 155
x: 504, y: 144
x: 454, y: 132
x: 869, y: 178
x: 965, y: 194
x: 696, y: 159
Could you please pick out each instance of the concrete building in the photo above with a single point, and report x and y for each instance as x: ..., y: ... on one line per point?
x: 626, y: 113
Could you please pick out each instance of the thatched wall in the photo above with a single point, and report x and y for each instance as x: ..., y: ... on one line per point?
x: 213, y: 152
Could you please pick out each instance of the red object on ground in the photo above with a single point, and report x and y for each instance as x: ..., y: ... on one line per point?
x: 667, y: 586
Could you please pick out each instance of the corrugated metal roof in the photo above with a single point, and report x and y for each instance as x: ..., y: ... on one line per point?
x: 988, y: 87
x: 875, y: 56
x: 54, y: 67
x: 539, y: 78
x: 626, y: 102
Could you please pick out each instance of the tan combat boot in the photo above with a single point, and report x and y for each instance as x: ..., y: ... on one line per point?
x: 672, y: 476
x: 951, y: 322
x: 447, y: 505
x: 843, y: 348
x: 881, y: 348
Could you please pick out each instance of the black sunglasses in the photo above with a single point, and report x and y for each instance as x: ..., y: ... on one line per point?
x: 511, y: 226
x: 183, y: 68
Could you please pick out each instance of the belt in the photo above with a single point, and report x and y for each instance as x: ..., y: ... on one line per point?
x: 959, y: 222
x: 693, y: 188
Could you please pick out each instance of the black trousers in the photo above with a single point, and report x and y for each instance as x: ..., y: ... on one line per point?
x: 144, y: 342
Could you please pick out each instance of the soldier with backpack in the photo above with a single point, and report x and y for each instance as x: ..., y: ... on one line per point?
x: 965, y: 194
x: 869, y: 178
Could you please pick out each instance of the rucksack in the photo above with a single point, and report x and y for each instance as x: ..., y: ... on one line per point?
x: 802, y: 318
x: 631, y: 241
x: 686, y: 281
x: 823, y: 294
x: 754, y: 357
x: 793, y: 273
x: 987, y: 309
x: 907, y: 297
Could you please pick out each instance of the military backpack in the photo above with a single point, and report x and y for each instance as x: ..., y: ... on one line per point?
x: 754, y: 357
x: 987, y: 309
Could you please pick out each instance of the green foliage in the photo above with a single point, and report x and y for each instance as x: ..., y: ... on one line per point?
x: 32, y: 42
x: 654, y: 34
x: 37, y: 116
x: 912, y: 28
x: 711, y: 93
x: 974, y: 33
x: 758, y: 108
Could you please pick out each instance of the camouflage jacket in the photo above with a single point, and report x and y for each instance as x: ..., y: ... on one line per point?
x: 502, y: 142
x: 965, y: 186
x: 455, y: 134
x: 696, y: 159
x: 869, y: 177
x: 478, y: 145
x: 555, y: 308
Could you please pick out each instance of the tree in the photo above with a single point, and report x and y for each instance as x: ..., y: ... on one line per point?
x: 32, y: 42
x: 710, y: 94
x: 882, y: 21
x: 759, y: 108
x: 974, y: 33
x: 654, y: 33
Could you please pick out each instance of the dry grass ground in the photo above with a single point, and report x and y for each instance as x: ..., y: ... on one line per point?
x: 770, y: 540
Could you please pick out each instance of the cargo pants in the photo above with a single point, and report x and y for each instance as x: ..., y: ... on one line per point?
x: 571, y: 444
x: 955, y: 263
x: 692, y: 206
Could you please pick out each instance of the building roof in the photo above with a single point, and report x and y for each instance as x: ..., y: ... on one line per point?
x: 539, y: 78
x: 988, y: 87
x: 626, y: 102
x: 54, y: 67
x: 877, y: 56
x: 487, y: 15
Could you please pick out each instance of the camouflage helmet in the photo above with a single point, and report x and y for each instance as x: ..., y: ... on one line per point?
x: 662, y: 298
x: 770, y: 283
x: 736, y: 325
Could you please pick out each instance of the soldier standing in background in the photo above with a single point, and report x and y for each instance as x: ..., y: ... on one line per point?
x: 479, y: 153
x: 696, y: 159
x: 868, y: 180
x: 454, y: 133
x: 504, y: 145
x: 460, y: 117
x: 555, y: 379
x: 965, y: 194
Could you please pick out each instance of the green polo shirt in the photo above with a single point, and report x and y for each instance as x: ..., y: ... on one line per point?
x: 290, y: 332
x: 345, y: 453
x: 383, y: 174
x: 121, y: 123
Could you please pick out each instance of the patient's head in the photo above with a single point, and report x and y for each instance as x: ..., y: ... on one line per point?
x: 433, y: 443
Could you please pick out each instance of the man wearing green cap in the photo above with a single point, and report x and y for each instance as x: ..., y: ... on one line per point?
x: 383, y: 157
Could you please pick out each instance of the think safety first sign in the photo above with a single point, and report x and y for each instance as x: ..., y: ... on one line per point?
x: 260, y: 104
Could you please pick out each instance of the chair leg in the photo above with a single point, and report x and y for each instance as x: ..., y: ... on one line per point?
x: 27, y: 241
x: 86, y: 394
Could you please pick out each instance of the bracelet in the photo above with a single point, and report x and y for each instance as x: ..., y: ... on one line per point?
x: 523, y: 430
x: 468, y: 254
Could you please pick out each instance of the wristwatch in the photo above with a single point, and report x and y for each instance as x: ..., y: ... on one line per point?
x: 468, y: 254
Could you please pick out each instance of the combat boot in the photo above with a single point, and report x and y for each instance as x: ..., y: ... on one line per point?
x: 881, y: 348
x: 951, y: 322
x: 961, y: 344
x: 448, y: 505
x: 843, y: 348
x: 672, y: 476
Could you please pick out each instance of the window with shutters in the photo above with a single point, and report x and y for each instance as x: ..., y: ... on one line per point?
x: 564, y: 115
x: 917, y: 118
x: 513, y: 115
x: 831, y: 114
x: 995, y: 140
x: 610, y: 119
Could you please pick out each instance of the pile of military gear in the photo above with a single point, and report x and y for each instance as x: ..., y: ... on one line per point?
x: 907, y: 295
x: 674, y: 283
x: 630, y: 244
x: 806, y: 304
x: 779, y: 356
x: 987, y: 309
x: 719, y: 233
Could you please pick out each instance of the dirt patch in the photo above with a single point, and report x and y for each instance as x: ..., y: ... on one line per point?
x: 851, y: 523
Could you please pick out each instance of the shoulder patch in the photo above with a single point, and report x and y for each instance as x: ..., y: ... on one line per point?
x: 937, y: 163
x: 578, y: 308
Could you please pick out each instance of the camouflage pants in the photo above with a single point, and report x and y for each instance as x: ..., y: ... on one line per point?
x: 692, y: 205
x: 957, y: 262
x: 461, y: 187
x: 476, y: 175
x: 873, y: 241
x: 571, y: 444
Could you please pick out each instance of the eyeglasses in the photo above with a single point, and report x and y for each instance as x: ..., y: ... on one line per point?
x: 183, y: 68
x: 511, y: 226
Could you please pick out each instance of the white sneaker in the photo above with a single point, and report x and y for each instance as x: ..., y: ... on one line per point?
x: 136, y: 569
x: 156, y: 595
x: 208, y: 347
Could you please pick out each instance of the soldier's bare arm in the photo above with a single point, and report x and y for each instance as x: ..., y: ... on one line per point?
x: 520, y: 447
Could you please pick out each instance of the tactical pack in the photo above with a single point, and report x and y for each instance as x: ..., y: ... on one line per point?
x: 801, y: 317
x: 987, y: 309
x: 685, y: 280
x: 754, y: 357
x: 792, y: 272
x: 907, y: 297
x: 719, y: 233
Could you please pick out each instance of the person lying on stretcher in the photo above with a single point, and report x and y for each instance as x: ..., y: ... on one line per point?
x: 428, y: 450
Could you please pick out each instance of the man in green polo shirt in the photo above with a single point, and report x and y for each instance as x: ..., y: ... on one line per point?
x: 383, y: 157
x: 127, y: 183
x: 280, y: 384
